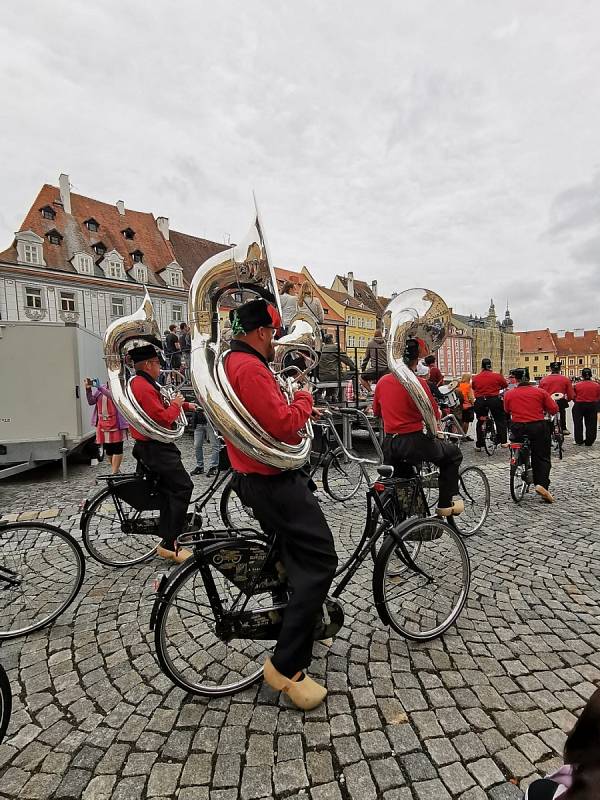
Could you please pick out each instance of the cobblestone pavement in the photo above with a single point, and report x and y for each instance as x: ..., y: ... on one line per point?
x: 477, y: 714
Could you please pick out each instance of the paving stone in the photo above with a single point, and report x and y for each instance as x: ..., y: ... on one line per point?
x: 359, y: 783
x: 329, y: 791
x: 163, y: 780
x: 197, y: 770
x: 387, y: 774
x: 256, y: 783
x: 456, y: 778
x: 289, y: 776
x: 320, y: 767
x: 430, y: 790
x: 485, y: 772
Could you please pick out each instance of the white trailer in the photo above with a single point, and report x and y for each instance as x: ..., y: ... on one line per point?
x: 44, y: 414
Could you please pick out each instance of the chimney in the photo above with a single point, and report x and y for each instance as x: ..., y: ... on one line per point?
x: 394, y: 294
x: 578, y: 332
x: 162, y: 223
x: 121, y: 207
x: 351, y: 284
x: 374, y: 287
x: 561, y: 333
x: 65, y: 192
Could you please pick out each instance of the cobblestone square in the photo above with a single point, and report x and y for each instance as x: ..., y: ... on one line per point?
x: 477, y: 714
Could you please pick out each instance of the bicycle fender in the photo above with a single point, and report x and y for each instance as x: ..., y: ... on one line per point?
x: 158, y: 599
x: 85, y: 506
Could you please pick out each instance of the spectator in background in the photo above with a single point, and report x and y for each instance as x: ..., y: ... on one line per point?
x: 435, y: 374
x: 204, y: 432
x: 184, y: 338
x: 111, y: 427
x: 375, y: 355
x: 289, y: 305
x: 307, y: 300
x: 585, y: 408
x: 467, y: 402
x: 172, y: 347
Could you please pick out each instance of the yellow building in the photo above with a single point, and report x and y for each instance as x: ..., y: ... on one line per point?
x: 578, y: 349
x: 537, y: 352
x: 361, y: 321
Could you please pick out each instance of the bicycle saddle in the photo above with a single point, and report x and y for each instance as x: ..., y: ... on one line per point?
x: 385, y: 470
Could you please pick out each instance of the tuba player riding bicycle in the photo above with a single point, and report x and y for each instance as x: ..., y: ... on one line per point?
x: 281, y: 500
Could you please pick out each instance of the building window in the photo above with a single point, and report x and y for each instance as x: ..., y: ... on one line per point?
x: 175, y: 279
x: 526, y: 358
x: 580, y: 361
x: 99, y: 248
x: 117, y: 306
x: 33, y: 297
x: 546, y: 358
x: 536, y: 358
x: 351, y: 341
x: 31, y: 253
x: 84, y: 264
x: 137, y: 256
x: 48, y: 212
x: 176, y: 313
x: 128, y: 233
x: 361, y: 322
x: 141, y: 274
x: 67, y: 301
x: 92, y: 225
x: 54, y: 237
x: 115, y: 269
x: 571, y: 361
x: 362, y: 341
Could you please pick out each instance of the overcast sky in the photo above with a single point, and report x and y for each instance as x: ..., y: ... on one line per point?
x: 451, y: 145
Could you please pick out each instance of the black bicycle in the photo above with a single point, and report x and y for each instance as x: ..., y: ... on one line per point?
x: 217, y: 616
x: 5, y: 702
x: 521, y: 473
x: 41, y: 571
x: 556, y: 429
x: 490, y: 433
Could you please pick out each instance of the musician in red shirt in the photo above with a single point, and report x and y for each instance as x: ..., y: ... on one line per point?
x: 556, y: 383
x: 162, y: 458
x: 585, y: 408
x: 405, y: 441
x: 435, y: 373
x: 526, y: 405
x: 487, y: 386
x: 282, y: 501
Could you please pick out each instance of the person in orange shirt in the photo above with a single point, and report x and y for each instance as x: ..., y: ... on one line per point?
x: 467, y: 402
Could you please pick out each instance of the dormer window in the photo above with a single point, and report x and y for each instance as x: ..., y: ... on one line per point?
x: 54, y: 237
x: 30, y: 248
x: 140, y: 273
x: 92, y: 225
x: 176, y: 279
x: 48, y: 212
x: 99, y: 248
x: 128, y: 233
x: 115, y: 269
x: 137, y: 256
x: 84, y: 264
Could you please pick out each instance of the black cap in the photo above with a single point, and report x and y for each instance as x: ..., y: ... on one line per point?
x: 142, y: 353
x: 411, y: 350
x: 252, y: 315
x: 586, y: 373
x: 520, y: 374
x: 486, y: 363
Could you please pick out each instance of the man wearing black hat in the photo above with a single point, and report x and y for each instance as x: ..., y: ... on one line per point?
x: 487, y: 386
x: 585, y: 407
x: 555, y: 383
x: 405, y: 440
x: 162, y: 458
x: 526, y: 406
x: 281, y: 500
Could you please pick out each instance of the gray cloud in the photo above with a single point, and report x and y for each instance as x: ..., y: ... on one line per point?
x: 427, y: 143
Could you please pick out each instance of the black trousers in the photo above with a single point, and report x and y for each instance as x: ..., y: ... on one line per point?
x: 538, y: 434
x: 284, y: 505
x: 496, y: 409
x: 585, y: 412
x: 175, y: 487
x: 562, y: 410
x: 416, y: 447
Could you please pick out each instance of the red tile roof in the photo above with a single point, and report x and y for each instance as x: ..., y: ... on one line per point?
x: 188, y: 251
x: 569, y: 344
x: 298, y: 278
x: 346, y: 300
x: 364, y: 293
x: 536, y: 341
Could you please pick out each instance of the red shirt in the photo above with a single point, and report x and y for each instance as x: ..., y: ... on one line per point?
x: 257, y: 388
x: 435, y: 375
x: 587, y: 392
x: 153, y: 404
x: 528, y: 403
x: 488, y: 384
x: 393, y: 403
x: 557, y: 383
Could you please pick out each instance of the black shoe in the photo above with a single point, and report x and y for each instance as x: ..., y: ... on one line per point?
x: 197, y: 471
x: 211, y: 472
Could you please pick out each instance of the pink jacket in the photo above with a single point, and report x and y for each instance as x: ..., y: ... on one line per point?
x: 93, y: 395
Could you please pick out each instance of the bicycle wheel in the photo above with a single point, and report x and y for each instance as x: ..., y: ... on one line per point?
x: 233, y: 512
x: 41, y: 571
x: 474, y: 488
x: 186, y: 634
x: 115, y: 542
x: 518, y: 482
x: 429, y: 481
x: 422, y: 599
x: 342, y: 476
x: 5, y: 702
x: 491, y: 440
